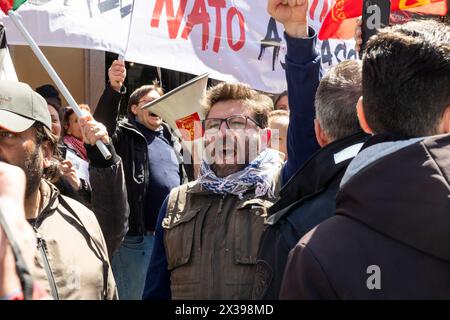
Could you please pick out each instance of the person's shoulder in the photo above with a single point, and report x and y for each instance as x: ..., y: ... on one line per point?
x: 338, y: 240
x: 313, y: 210
x: 77, y: 209
x: 86, y: 217
x: 191, y: 186
x: 178, y: 196
x: 124, y: 123
x: 183, y: 190
x: 329, y: 230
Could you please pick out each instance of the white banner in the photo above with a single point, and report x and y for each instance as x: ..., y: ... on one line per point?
x: 233, y: 40
x: 86, y: 24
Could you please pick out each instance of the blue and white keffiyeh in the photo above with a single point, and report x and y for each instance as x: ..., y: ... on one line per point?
x: 259, y: 174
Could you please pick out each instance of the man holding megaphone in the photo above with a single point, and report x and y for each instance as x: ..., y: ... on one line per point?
x: 150, y: 156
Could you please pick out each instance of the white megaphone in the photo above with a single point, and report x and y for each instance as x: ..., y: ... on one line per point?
x: 181, y: 108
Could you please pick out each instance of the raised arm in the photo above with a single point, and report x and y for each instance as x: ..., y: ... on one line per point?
x: 108, y: 106
x: 303, y: 73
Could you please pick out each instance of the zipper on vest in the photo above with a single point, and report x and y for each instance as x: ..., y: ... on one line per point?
x: 219, y: 211
x: 51, y: 280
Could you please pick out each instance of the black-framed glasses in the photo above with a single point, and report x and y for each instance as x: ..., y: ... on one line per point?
x: 233, y: 122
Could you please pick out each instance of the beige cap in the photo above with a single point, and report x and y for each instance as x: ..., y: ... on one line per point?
x: 21, y: 107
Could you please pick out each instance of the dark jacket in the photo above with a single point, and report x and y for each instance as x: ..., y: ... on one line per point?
x: 303, y: 74
x: 314, y: 186
x: 83, y: 195
x: 109, y: 200
x: 308, y: 199
x: 109, y: 195
x: 131, y: 145
x: 390, y: 238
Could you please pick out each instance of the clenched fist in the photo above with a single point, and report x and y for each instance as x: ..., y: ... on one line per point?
x: 117, y: 74
x: 292, y: 14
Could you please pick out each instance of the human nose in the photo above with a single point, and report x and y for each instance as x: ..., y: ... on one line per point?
x: 223, y: 127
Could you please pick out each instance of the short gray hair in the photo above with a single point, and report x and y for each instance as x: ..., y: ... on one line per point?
x: 336, y: 99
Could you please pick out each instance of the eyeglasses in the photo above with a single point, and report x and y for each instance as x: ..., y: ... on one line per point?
x: 233, y: 122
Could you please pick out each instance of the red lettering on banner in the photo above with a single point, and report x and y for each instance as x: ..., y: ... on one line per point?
x: 312, y: 9
x: 173, y: 23
x: 218, y: 4
x: 240, y: 43
x: 199, y: 16
x: 323, y: 13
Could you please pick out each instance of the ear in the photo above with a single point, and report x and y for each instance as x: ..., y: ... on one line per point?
x: 321, y: 136
x: 47, y: 152
x: 134, y: 109
x: 362, y: 117
x: 445, y: 122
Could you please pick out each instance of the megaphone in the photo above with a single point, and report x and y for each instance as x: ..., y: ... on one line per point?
x: 181, y: 108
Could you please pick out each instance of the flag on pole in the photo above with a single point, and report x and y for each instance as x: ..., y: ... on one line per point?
x: 7, y: 71
x: 340, y: 21
x: 7, y: 5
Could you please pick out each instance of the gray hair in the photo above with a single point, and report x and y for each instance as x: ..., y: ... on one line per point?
x: 336, y: 99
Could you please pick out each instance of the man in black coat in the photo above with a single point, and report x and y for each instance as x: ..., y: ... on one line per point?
x: 391, y: 233
x: 309, y: 196
x: 152, y: 166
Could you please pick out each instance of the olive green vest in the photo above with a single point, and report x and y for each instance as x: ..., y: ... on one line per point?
x: 212, y: 240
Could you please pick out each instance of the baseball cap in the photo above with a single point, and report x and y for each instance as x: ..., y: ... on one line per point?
x: 21, y: 107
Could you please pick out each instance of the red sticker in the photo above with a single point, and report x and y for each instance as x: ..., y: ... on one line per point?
x: 190, y: 127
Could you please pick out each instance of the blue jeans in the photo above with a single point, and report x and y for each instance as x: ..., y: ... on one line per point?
x: 130, y: 264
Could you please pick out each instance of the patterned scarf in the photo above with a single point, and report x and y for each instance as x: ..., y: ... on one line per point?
x: 259, y: 174
x: 77, y: 145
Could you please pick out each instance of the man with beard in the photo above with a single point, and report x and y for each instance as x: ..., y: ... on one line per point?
x: 72, y: 261
x: 208, y: 230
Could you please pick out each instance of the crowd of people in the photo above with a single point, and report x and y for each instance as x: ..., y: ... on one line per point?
x: 337, y: 189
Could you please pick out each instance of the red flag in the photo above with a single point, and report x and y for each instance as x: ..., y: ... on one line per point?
x: 7, y: 5
x: 340, y: 21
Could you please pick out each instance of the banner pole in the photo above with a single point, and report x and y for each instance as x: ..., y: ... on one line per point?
x: 122, y: 56
x: 54, y: 76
